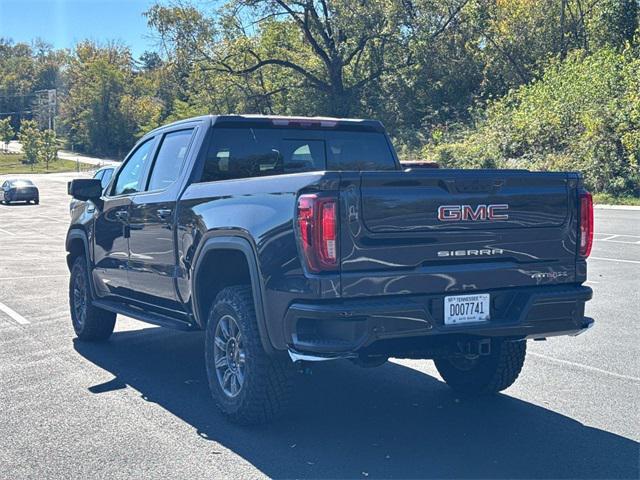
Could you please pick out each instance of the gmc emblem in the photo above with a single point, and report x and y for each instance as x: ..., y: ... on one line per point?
x: 457, y: 213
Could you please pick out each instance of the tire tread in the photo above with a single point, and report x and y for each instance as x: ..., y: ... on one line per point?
x: 99, y: 323
x: 269, y: 388
x: 496, y: 374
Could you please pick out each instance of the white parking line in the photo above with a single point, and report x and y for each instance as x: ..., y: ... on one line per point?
x: 615, y: 260
x: 19, y: 319
x: 619, y: 241
x: 619, y: 238
x: 54, y: 219
x: 617, y: 234
x: 29, y: 277
x: 586, y: 367
x: 6, y: 231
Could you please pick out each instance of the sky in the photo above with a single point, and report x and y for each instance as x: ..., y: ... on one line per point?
x: 62, y: 23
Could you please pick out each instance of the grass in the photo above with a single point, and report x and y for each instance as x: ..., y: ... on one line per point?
x: 605, y: 199
x: 11, y: 163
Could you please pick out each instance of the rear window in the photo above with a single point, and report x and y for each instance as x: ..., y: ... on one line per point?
x: 21, y: 183
x: 254, y: 152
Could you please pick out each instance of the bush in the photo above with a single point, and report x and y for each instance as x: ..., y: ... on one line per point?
x: 583, y: 114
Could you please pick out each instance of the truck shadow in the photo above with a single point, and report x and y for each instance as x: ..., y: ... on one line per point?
x: 391, y: 422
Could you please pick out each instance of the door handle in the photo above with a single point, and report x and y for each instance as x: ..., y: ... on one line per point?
x: 163, y: 213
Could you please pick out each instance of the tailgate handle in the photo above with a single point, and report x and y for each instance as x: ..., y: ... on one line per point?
x: 475, y: 186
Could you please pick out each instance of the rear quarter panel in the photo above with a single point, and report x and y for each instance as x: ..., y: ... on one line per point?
x: 261, y: 210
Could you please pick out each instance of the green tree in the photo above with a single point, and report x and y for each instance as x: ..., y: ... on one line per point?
x: 583, y: 114
x: 108, y: 102
x: 6, y: 132
x: 17, y: 76
x: 47, y: 146
x: 611, y: 23
x: 335, y: 49
x: 29, y: 137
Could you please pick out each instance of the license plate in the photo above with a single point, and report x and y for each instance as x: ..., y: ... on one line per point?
x: 466, y: 309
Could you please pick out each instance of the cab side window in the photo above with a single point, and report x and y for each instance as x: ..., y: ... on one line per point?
x: 131, y: 175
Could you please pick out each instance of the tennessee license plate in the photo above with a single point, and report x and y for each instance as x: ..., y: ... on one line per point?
x: 466, y: 309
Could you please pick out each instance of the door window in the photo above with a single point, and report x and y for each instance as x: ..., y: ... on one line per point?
x: 169, y: 159
x: 131, y: 175
x: 98, y: 175
x: 106, y: 177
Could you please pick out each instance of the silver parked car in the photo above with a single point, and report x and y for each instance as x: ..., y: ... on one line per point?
x: 19, y: 190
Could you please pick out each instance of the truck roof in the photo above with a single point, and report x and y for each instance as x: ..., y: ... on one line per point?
x: 283, y: 121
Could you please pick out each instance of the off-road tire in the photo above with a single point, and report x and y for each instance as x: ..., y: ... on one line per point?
x: 98, y: 324
x: 267, y: 379
x: 487, y: 374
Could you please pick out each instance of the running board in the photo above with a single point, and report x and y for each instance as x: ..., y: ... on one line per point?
x: 147, y: 317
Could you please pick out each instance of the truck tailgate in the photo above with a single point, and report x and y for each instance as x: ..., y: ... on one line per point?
x: 433, y: 231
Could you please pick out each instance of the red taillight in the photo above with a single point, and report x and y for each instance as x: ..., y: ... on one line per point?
x: 318, y: 227
x: 586, y: 224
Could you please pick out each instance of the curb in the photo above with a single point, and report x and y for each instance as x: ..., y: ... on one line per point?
x: 617, y: 207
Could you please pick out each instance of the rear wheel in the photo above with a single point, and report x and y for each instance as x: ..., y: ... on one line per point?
x: 90, y: 323
x: 486, y: 374
x: 248, y: 385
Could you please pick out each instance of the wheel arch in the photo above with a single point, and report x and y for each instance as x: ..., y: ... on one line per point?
x: 236, y: 262
x: 77, y: 244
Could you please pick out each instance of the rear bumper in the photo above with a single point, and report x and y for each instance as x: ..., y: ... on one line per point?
x: 17, y: 195
x: 347, y: 327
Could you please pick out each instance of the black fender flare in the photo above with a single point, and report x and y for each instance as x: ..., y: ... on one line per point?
x: 80, y: 233
x: 211, y: 242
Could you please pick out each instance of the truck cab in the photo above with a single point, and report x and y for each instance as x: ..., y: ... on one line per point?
x: 293, y: 240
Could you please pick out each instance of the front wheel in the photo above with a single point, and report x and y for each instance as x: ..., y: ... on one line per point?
x: 90, y: 323
x: 487, y: 374
x: 248, y: 385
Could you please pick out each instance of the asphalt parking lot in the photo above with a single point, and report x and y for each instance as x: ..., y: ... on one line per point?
x: 139, y: 405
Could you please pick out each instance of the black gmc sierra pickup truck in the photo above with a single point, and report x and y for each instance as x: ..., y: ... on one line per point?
x: 303, y: 239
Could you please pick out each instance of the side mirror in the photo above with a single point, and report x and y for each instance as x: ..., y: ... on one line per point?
x: 85, y: 189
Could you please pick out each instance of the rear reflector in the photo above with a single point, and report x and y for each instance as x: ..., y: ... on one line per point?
x: 586, y: 224
x: 318, y: 227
